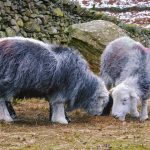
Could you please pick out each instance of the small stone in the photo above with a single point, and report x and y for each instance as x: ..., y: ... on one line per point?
x: 16, y: 28
x: 16, y: 17
x: 7, y: 10
x: 62, y: 24
x: 1, y: 4
x: 45, y: 19
x: 2, y: 34
x: 46, y: 40
x: 36, y: 11
x: 13, y: 22
x: 7, y: 3
x: 0, y: 18
x: 39, y: 21
x: 24, y: 33
x: 65, y: 1
x: 52, y: 30
x: 28, y: 13
x: 33, y: 15
x: 10, y: 32
x: 20, y: 22
x: 25, y: 18
x: 32, y: 26
x: 14, y: 7
x: 58, y: 12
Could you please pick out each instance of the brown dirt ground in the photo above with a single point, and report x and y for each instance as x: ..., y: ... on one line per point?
x: 33, y: 131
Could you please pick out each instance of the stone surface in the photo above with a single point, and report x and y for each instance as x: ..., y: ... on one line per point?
x: 13, y: 22
x: 20, y: 22
x: 32, y: 26
x: 10, y: 32
x: 2, y: 34
x: 58, y: 12
x: 92, y: 37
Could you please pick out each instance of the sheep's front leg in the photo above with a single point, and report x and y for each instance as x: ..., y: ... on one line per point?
x: 58, y: 113
x: 66, y: 115
x: 4, y: 112
x: 144, y: 111
x: 133, y: 109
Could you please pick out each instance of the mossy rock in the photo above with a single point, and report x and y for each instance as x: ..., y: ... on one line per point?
x: 32, y: 26
x: 20, y: 22
x: 58, y: 12
x: 2, y: 34
x: 92, y: 37
x: 10, y: 32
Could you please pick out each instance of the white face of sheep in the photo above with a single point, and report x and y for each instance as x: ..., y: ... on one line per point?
x: 124, y: 101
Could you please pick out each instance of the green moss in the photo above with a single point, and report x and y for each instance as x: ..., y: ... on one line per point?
x: 58, y: 12
x: 100, y: 15
x: 32, y: 26
x: 10, y: 32
x: 2, y: 34
x: 146, y: 31
x: 89, y: 52
x: 20, y: 22
x: 132, y: 28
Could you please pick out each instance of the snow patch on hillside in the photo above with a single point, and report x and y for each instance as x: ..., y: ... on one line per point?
x: 137, y: 17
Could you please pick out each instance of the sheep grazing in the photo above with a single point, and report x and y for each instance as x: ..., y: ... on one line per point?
x: 125, y: 65
x: 32, y: 68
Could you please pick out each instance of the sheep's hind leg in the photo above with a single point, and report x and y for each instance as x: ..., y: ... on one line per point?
x: 11, y: 110
x: 4, y: 112
x: 144, y: 111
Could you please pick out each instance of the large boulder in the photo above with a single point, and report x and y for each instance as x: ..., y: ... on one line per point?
x: 92, y: 37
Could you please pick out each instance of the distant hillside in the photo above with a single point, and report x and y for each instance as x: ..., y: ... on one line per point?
x: 130, y: 11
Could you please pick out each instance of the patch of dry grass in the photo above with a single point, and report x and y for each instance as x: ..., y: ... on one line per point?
x: 34, y: 131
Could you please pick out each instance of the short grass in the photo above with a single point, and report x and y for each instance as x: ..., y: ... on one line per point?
x: 33, y: 131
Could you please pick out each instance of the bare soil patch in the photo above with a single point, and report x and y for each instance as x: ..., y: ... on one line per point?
x: 34, y: 131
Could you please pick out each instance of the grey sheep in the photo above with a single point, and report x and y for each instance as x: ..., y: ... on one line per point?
x: 32, y: 68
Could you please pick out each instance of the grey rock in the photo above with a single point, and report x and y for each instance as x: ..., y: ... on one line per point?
x: 2, y: 34
x: 92, y: 37
x: 10, y: 32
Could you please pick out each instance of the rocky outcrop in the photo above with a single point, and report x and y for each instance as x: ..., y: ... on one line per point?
x: 92, y: 37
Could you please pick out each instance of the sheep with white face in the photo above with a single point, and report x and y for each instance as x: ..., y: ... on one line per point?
x: 125, y: 100
x: 125, y: 67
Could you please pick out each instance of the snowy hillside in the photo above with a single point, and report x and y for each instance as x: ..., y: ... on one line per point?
x: 139, y: 16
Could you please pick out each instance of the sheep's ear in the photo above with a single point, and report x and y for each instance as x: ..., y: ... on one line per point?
x: 111, y: 90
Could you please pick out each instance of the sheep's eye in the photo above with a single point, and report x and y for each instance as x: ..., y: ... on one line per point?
x: 124, y: 101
